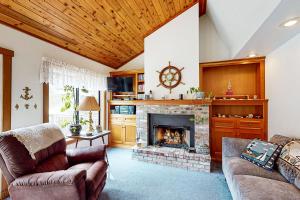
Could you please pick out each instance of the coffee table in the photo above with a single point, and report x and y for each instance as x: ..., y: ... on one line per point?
x: 92, y: 137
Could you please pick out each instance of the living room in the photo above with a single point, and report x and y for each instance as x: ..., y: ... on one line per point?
x: 146, y: 99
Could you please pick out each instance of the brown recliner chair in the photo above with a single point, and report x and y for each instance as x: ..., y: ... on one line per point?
x: 55, y: 174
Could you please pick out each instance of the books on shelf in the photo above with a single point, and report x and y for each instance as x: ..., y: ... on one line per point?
x: 141, y: 88
x: 141, y: 77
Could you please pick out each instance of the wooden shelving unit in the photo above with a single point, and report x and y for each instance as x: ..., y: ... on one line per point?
x: 123, y: 126
x: 247, y: 77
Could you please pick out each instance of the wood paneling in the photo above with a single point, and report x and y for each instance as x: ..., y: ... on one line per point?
x: 109, y: 32
x: 161, y: 102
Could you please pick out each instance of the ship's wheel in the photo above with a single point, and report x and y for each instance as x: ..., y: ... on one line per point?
x: 170, y: 77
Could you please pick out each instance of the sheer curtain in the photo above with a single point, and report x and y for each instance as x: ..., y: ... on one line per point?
x: 58, y: 73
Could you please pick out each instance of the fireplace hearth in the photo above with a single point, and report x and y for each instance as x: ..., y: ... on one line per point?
x: 171, y: 135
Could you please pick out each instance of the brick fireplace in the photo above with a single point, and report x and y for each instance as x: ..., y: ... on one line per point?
x: 168, y: 134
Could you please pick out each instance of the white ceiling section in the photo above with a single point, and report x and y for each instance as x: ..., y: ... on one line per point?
x: 271, y: 35
x: 237, y: 20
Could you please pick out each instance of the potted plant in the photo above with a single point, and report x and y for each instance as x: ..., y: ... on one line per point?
x: 196, y: 92
x: 69, y: 102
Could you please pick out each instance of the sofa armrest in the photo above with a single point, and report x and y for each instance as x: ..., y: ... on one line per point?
x: 63, y: 184
x: 233, y: 147
x: 86, y: 154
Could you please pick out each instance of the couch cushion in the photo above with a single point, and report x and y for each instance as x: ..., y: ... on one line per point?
x: 257, y: 188
x: 95, y: 174
x: 237, y: 166
x: 54, y: 163
x: 58, y: 147
x: 289, y: 162
x: 261, y: 153
x: 16, y: 157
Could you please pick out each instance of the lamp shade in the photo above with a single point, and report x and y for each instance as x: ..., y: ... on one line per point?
x: 89, y: 103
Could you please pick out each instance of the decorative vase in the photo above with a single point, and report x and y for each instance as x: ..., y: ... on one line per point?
x: 75, y: 129
x: 200, y: 95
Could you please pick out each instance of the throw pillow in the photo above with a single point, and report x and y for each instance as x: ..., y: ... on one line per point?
x: 289, y: 162
x: 261, y: 153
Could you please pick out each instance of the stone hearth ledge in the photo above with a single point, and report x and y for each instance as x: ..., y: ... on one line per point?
x: 173, y: 157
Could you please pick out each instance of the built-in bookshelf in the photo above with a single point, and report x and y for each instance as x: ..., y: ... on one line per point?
x: 138, y: 85
x: 239, y: 108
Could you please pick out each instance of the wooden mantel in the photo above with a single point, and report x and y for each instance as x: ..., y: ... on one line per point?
x: 162, y: 102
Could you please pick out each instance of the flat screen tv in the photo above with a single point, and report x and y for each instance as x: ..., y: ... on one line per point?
x: 120, y: 84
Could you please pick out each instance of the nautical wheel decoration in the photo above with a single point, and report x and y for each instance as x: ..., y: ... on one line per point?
x: 170, y: 77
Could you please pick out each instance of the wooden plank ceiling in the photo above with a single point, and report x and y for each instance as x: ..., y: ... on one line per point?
x: 110, y: 32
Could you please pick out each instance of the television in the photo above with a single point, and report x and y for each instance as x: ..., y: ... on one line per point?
x: 120, y: 84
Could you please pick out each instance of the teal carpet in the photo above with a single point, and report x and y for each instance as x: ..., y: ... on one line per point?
x: 135, y: 180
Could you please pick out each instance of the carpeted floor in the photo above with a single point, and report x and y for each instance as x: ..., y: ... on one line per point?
x: 135, y: 180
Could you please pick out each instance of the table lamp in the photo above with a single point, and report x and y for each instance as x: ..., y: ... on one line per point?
x: 89, y: 103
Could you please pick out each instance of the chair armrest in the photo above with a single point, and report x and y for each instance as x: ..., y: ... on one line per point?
x: 62, y: 177
x: 63, y: 184
x: 232, y: 147
x: 86, y: 154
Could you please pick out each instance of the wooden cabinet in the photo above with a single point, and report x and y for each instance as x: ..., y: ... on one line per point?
x: 247, y: 96
x: 235, y: 128
x: 123, y: 130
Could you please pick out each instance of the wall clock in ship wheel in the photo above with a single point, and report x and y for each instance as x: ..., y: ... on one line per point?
x: 170, y: 77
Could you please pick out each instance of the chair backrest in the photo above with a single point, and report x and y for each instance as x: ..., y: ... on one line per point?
x: 16, y: 161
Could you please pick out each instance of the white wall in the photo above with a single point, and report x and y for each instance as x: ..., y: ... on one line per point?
x: 136, y: 63
x: 212, y: 47
x: 178, y: 42
x: 26, y: 64
x: 238, y: 20
x: 1, y: 90
x: 283, y: 89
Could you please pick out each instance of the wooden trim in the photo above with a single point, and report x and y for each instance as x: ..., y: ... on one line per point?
x: 7, y: 82
x: 202, y: 7
x: 127, y: 72
x: 250, y: 102
x: 162, y: 24
x: 6, y: 118
x: 161, y: 102
x: 7, y: 52
x: 233, y: 62
x: 45, y: 103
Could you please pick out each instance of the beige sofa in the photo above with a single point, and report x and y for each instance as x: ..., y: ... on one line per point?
x: 247, y: 181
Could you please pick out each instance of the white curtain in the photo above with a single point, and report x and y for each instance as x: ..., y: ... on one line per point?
x: 58, y: 74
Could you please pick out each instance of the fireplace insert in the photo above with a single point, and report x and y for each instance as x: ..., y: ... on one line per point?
x: 177, y: 131
x: 172, y: 136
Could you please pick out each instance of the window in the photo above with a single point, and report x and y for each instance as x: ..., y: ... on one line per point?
x: 62, y: 104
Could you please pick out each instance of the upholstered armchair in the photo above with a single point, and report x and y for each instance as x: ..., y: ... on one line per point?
x: 53, y: 173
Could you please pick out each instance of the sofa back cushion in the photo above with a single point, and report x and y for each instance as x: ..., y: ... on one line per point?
x: 289, y: 162
x: 54, y: 163
x: 16, y: 157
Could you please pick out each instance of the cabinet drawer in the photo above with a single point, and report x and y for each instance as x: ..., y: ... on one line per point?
x: 251, y: 133
x: 117, y: 120
x: 250, y: 124
x: 223, y: 123
x: 131, y: 120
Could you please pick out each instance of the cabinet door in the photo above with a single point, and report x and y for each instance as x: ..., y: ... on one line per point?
x: 116, y: 133
x: 217, y: 135
x: 130, y: 134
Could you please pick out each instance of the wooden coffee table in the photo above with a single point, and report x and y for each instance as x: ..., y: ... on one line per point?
x: 83, y: 136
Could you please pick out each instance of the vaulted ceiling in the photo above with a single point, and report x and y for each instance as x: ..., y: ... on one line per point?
x: 110, y: 32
